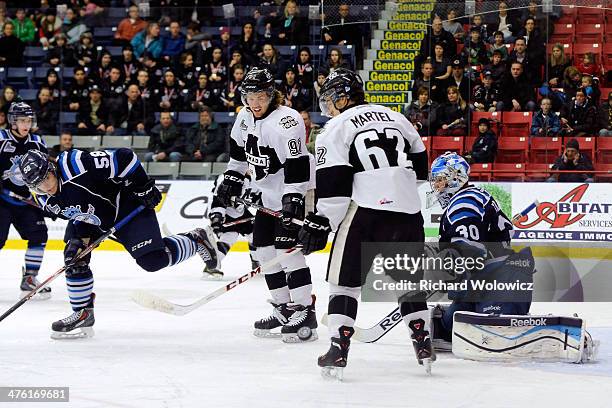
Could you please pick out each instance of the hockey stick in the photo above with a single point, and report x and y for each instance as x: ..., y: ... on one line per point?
x: 167, y: 232
x: 384, y: 326
x: 266, y: 210
x: 151, y: 301
x: 80, y: 256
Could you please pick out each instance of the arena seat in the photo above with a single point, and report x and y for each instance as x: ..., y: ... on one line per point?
x: 604, y: 177
x: 512, y: 149
x: 604, y: 150
x: 481, y: 171
x: 116, y: 142
x: 545, y: 149
x: 537, y: 171
x: 163, y: 170
x: 516, y: 124
x: 586, y: 143
x: 442, y: 144
x: 195, y: 170
x: 511, y: 172
x: 495, y: 118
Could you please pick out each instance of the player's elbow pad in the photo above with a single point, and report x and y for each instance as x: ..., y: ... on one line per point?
x: 419, y: 164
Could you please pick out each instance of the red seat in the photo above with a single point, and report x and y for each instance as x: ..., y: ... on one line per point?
x: 604, y: 167
x: 442, y: 144
x: 509, y: 172
x: 537, y: 171
x: 581, y: 49
x: 545, y: 150
x: 569, y: 15
x: 516, y: 124
x: 604, y: 94
x: 594, y: 14
x: 481, y: 171
x: 495, y: 119
x: 586, y: 143
x: 512, y: 149
x: 564, y: 33
x: 469, y: 142
x: 427, y: 142
x: 607, y: 54
x: 604, y: 150
x: 589, y: 33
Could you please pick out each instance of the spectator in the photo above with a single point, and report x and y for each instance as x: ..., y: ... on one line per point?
x: 486, y: 95
x: 225, y: 42
x: 516, y: 91
x: 3, y: 18
x: 454, y: 114
x: 61, y: 54
x: 505, y: 23
x: 113, y: 89
x: 442, y: 69
x: 293, y: 28
x: 271, y: 60
x: 186, y: 72
x: 128, y: 64
x: 145, y: 88
x: 3, y: 122
x: 572, y: 81
x: 231, y: 97
x: 591, y: 89
x: 475, y: 50
x: 85, y: 52
x: 93, y: 117
x: 205, y: 140
x: 72, y: 28
x: 519, y: 54
x: 457, y: 79
x: 536, y: 49
x: 453, y: 25
x: 102, y: 71
x: 64, y: 145
x: 580, y: 117
x: 321, y: 75
x: 557, y: 64
x: 427, y: 81
x: 498, y: 45
x: 437, y: 35
x: 8, y: 97
x: 50, y: 26
x: 54, y: 83
x: 341, y: 29
x: 169, y: 94
x: 541, y: 20
x: 79, y: 90
x: 605, y: 117
x: 47, y: 112
x: 129, y: 26
x: 312, y: 131
x: 545, y: 122
x: 173, y: 44
x: 588, y: 65
x: 478, y: 24
x: 237, y: 59
x: 204, y: 95
x: 166, y: 142
x: 203, y: 51
x: 304, y: 67
x: 572, y: 159
x: 335, y: 60
x: 422, y: 112
x: 149, y: 41
x: 11, y: 48
x: 248, y: 44
x: 91, y: 14
x: 484, y: 148
x: 134, y: 117
x: 295, y: 95
x: 24, y: 27
x: 155, y: 70
x: 497, y: 67
x: 216, y: 69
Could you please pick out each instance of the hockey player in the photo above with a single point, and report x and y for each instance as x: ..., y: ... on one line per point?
x: 243, y: 224
x: 368, y: 161
x: 94, y: 191
x: 269, y: 140
x: 14, y: 209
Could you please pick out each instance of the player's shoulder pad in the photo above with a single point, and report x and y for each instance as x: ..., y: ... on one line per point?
x: 37, y: 139
x: 72, y: 163
x: 468, y: 203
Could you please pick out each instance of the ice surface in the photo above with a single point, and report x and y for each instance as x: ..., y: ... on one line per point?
x: 209, y: 358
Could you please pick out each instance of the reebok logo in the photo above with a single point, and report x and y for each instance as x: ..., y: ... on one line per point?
x: 528, y: 322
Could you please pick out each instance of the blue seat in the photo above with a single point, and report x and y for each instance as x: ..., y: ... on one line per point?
x: 188, y: 117
x: 68, y: 117
x: 34, y: 55
x: 104, y: 32
x: 225, y: 117
x: 117, y: 12
x: 28, y: 94
x: 318, y: 118
x: 20, y: 77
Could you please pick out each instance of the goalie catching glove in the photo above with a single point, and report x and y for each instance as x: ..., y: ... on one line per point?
x: 314, y: 233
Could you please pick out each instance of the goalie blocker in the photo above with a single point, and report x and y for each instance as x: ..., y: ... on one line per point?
x: 549, y: 338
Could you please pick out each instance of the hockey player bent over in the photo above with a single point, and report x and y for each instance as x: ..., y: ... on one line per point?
x: 368, y: 161
x: 94, y: 191
x: 269, y: 140
x: 26, y: 219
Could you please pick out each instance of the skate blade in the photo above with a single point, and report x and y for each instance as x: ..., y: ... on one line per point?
x: 38, y: 296
x: 212, y: 276
x: 266, y: 334
x: 79, y: 333
x: 332, y: 373
x: 295, y: 338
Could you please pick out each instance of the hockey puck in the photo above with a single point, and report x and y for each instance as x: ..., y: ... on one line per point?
x: 304, y: 333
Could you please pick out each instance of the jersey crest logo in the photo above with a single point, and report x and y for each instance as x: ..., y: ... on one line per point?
x: 288, y: 122
x: 258, y: 162
x: 14, y: 174
x: 243, y: 126
x: 55, y: 209
x: 9, y: 148
x: 74, y: 213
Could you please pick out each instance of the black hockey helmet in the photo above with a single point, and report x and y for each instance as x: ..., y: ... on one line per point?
x: 21, y: 110
x: 257, y: 80
x: 35, y: 166
x: 341, y: 83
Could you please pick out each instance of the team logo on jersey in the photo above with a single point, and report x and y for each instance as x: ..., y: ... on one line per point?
x: 55, y: 209
x: 74, y: 213
x: 259, y: 163
x: 14, y: 174
x: 9, y: 148
x: 288, y: 122
x: 243, y: 126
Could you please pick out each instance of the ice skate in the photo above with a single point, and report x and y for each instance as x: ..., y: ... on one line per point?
x: 279, y: 317
x: 212, y: 274
x: 29, y: 283
x: 206, y: 245
x: 422, y: 344
x: 333, y: 362
x: 78, y: 325
x: 302, y: 324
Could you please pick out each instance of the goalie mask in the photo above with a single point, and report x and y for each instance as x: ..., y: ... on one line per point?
x: 448, y: 174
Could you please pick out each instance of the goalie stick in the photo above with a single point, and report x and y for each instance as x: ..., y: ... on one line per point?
x: 384, y: 326
x: 151, y: 301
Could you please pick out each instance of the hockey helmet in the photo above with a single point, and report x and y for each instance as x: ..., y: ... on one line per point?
x: 340, y: 83
x: 257, y: 80
x: 448, y: 174
x: 21, y: 110
x: 35, y: 166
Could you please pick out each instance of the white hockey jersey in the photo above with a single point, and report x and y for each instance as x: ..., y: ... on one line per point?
x: 274, y: 149
x: 365, y: 155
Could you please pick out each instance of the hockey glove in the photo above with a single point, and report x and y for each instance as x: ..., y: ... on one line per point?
x: 148, y: 194
x: 293, y: 207
x: 73, y: 248
x: 230, y: 187
x: 216, y: 222
x: 314, y: 233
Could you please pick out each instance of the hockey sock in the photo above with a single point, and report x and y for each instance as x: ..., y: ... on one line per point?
x: 300, y: 286
x: 33, y: 258
x: 80, y: 289
x: 181, y: 248
x: 342, y: 307
x: 277, y: 284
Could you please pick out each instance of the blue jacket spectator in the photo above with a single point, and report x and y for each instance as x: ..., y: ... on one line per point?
x: 545, y: 122
x: 148, y: 41
x: 174, y: 42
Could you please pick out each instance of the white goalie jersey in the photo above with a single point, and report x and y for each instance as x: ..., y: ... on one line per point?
x: 273, y: 148
x: 366, y: 154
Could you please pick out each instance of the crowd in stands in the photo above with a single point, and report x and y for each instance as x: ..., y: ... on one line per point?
x: 498, y: 62
x: 153, y: 69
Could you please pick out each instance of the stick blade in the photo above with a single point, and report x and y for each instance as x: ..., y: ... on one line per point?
x: 151, y: 301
